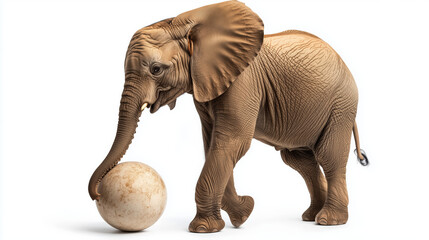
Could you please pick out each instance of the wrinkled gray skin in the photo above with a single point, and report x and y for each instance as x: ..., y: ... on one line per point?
x: 290, y: 90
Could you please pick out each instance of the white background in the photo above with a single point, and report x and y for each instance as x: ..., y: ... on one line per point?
x: 61, y: 82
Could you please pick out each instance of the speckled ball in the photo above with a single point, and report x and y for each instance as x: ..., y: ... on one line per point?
x: 132, y: 196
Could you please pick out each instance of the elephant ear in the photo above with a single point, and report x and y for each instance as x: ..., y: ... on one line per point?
x: 224, y: 39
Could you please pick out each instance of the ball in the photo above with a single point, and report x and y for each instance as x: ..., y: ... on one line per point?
x: 132, y: 196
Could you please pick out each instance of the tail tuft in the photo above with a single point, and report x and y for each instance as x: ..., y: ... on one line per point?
x: 363, y: 160
x: 361, y: 155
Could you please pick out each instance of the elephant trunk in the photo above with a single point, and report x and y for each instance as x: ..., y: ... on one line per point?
x: 129, y: 113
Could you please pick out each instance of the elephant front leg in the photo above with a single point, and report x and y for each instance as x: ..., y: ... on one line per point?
x: 227, y: 134
x: 238, y: 208
x: 213, y: 181
x: 209, y: 192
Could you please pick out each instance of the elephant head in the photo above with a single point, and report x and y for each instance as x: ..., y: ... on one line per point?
x: 200, y: 52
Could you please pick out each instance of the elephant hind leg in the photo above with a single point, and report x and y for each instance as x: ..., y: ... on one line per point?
x: 305, y: 163
x: 238, y: 208
x: 331, y: 152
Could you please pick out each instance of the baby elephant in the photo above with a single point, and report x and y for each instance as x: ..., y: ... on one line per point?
x: 289, y: 90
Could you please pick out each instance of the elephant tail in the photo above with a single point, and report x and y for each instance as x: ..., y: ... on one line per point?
x: 360, y: 153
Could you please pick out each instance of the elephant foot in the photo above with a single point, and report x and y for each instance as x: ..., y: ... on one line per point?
x: 311, y: 212
x: 331, y: 216
x: 206, y: 224
x: 238, y: 213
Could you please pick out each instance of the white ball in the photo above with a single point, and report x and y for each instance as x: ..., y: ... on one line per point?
x: 132, y: 196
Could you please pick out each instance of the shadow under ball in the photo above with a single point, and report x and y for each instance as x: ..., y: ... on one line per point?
x: 133, y: 197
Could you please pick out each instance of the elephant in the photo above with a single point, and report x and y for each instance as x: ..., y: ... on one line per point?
x: 289, y: 90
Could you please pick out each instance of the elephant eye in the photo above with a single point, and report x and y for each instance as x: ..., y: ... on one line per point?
x: 155, y: 69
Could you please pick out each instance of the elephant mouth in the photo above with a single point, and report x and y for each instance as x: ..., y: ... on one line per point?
x: 165, y: 98
x: 154, y: 107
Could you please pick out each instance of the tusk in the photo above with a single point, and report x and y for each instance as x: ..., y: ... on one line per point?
x: 143, y: 106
